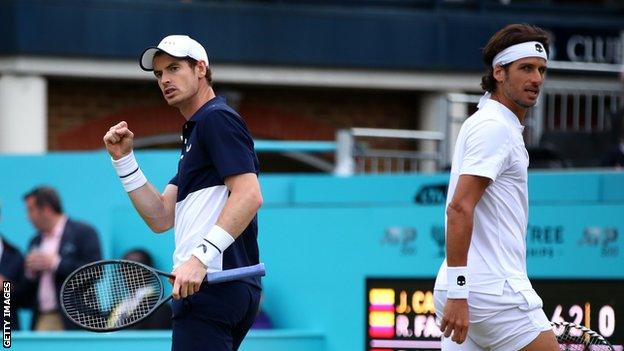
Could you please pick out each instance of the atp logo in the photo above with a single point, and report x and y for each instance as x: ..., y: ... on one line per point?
x: 605, y: 238
x: 438, y: 235
x: 404, y: 237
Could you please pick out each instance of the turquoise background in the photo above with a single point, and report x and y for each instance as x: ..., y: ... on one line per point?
x: 321, y: 236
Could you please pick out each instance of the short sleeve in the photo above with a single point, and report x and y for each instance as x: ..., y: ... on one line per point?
x: 174, y: 180
x: 486, y: 148
x: 225, y: 137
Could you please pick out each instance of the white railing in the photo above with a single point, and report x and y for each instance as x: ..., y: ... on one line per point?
x: 354, y: 156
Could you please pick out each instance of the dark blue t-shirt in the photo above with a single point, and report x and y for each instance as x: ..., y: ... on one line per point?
x: 216, y: 145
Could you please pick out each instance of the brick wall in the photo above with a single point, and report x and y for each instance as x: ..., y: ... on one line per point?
x: 78, y: 103
x: 80, y: 111
x: 333, y: 108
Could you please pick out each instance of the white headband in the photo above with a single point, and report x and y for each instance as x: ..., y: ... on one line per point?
x: 514, y: 53
x: 518, y: 51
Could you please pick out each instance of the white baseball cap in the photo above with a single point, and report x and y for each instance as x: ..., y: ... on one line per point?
x: 177, y: 46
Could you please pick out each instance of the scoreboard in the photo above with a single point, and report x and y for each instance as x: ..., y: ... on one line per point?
x: 401, y: 315
x: 401, y: 312
x: 596, y: 304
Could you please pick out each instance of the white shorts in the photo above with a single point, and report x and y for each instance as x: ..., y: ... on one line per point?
x: 507, y: 322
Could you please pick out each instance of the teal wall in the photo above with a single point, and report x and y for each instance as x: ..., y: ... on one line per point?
x: 273, y: 340
x: 321, y: 236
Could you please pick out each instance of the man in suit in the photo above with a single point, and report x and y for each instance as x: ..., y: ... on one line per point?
x: 59, y: 247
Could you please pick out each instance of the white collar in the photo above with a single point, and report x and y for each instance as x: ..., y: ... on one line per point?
x: 510, y: 117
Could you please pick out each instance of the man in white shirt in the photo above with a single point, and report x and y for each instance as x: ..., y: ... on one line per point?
x: 483, y: 297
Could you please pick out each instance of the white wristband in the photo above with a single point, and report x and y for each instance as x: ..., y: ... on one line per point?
x: 212, y: 245
x: 457, y: 280
x: 129, y: 172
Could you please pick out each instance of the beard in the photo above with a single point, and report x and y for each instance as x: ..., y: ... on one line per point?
x: 518, y: 101
x: 523, y: 104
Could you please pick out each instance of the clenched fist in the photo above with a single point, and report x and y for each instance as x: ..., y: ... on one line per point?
x: 118, y: 140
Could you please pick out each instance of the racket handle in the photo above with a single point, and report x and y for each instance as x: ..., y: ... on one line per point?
x: 236, y: 273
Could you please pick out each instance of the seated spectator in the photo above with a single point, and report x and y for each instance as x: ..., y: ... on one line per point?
x: 59, y: 247
x: 161, y: 318
x: 262, y: 319
x: 614, y: 156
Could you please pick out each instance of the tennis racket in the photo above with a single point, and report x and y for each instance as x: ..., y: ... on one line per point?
x: 574, y: 337
x: 110, y: 295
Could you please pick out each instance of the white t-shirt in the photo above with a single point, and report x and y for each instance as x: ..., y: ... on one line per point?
x: 490, y: 144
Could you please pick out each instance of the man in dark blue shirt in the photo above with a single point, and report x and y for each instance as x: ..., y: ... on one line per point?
x: 211, y: 201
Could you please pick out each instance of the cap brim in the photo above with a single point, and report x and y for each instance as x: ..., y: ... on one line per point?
x: 147, y: 58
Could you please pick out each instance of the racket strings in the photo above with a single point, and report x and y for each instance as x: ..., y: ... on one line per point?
x: 578, y: 338
x: 111, y: 295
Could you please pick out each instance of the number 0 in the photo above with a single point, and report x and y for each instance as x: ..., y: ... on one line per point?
x: 606, y: 321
